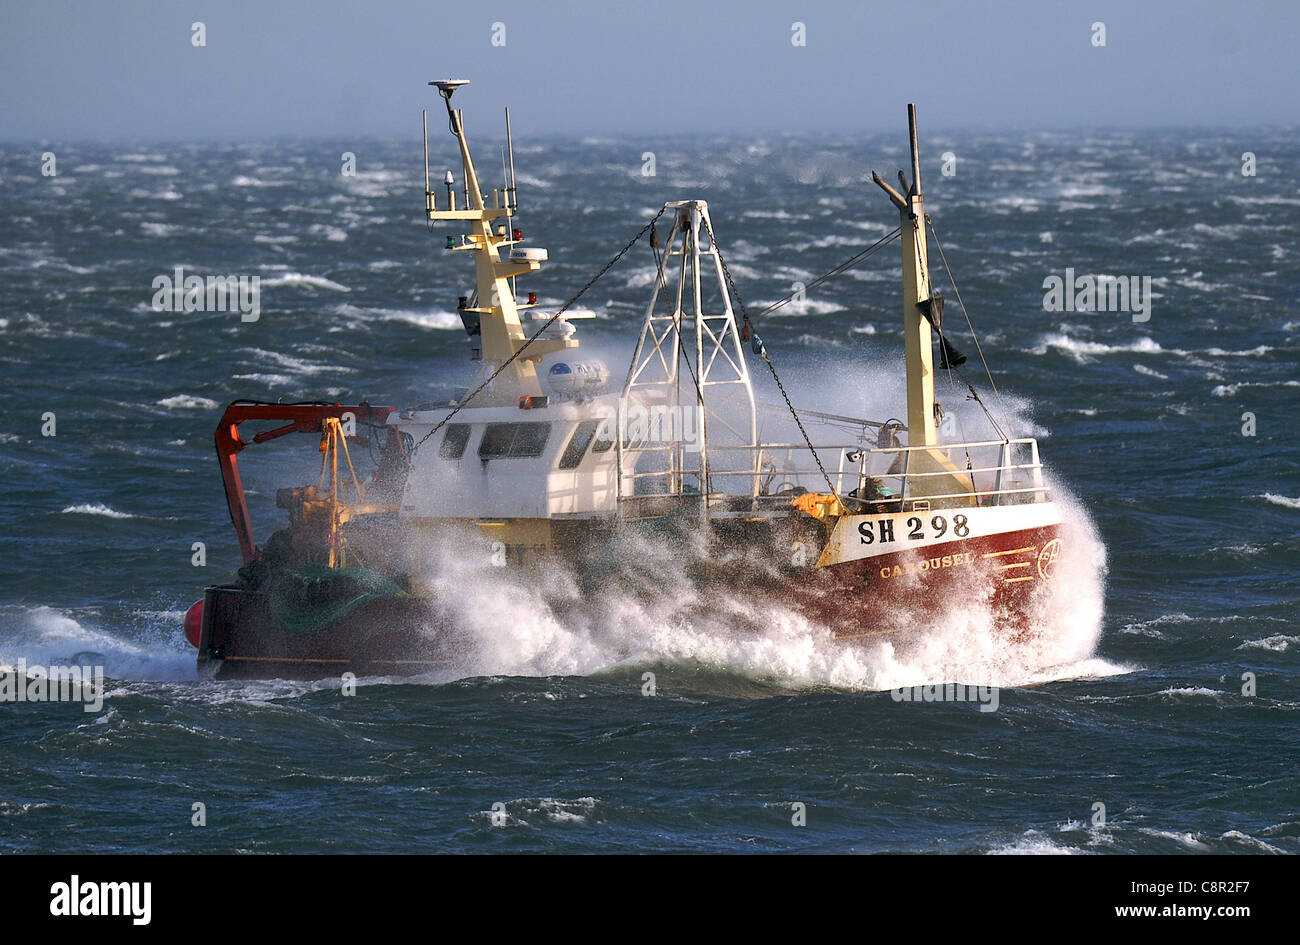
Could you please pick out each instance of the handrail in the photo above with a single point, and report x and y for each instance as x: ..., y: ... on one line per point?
x: 1024, y: 440
x: 1024, y: 478
x: 962, y: 472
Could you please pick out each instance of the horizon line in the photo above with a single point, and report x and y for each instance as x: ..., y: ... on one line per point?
x: 552, y: 137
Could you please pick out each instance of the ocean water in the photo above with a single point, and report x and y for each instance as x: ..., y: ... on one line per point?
x: 1183, y: 531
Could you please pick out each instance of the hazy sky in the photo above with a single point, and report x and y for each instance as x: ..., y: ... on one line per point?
x: 295, y: 68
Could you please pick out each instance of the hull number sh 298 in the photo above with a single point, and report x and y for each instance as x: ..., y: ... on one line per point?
x: 915, y: 528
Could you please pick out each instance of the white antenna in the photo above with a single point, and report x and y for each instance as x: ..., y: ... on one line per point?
x: 424, y: 113
x: 505, y: 193
x: 505, y: 181
x: 513, y: 202
x: 512, y: 199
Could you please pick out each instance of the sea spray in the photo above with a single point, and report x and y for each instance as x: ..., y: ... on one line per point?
x: 652, y: 609
x: 641, y: 600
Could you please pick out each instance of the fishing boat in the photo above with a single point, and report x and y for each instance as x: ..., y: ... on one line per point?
x: 545, y: 461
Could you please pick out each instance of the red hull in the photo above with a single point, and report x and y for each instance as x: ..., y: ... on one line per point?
x: 858, y: 599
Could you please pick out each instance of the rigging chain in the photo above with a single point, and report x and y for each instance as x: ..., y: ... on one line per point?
x: 762, y: 352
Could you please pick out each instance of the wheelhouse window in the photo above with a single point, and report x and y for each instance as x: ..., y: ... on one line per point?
x: 604, y: 442
x: 454, y: 440
x: 513, y: 439
x: 578, y: 444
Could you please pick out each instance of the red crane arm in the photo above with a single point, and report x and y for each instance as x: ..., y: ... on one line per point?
x: 303, y: 418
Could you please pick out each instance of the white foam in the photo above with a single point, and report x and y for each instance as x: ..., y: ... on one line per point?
x: 1246, y: 353
x: 548, y: 626
x: 1150, y: 372
x: 46, y: 636
x: 301, y: 279
x: 243, y: 180
x: 332, y: 233
x: 168, y: 194
x: 529, y: 180
x: 1192, y: 692
x: 1006, y: 203
x: 1088, y: 190
x: 551, y: 809
x: 1250, y: 841
x: 1245, y: 550
x: 1278, y: 643
x: 1082, y: 351
x: 818, y: 341
x: 1032, y: 843
x: 1190, y: 840
x: 97, y: 508
x: 436, y: 320
x: 1229, y: 390
x: 804, y: 306
x: 271, y: 380
x: 298, y: 365
x: 159, y: 229
x: 1201, y: 285
x: 782, y: 215
x: 1282, y: 500
x: 187, y: 402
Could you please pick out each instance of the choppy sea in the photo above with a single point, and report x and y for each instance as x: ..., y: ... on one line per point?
x: 1157, y: 714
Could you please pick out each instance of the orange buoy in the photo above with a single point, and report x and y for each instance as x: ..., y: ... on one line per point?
x: 194, y: 622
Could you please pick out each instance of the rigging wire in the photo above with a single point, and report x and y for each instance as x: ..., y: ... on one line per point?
x: 943, y: 341
x: 537, y: 334
x: 841, y: 268
x: 747, y: 320
x: 974, y: 337
x: 761, y: 350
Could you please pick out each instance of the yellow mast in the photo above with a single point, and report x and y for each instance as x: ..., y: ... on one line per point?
x: 918, y: 340
x: 501, y: 332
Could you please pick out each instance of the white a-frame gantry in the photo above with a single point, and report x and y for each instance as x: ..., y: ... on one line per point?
x: 687, y: 415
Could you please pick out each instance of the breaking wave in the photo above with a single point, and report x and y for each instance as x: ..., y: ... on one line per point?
x: 96, y: 508
x: 48, y: 637
x: 300, y: 279
x: 549, y: 627
x: 187, y: 402
x: 1081, y: 351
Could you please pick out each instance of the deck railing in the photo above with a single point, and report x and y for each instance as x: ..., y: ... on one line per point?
x: 998, y: 472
